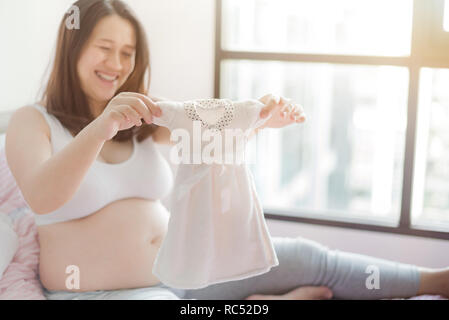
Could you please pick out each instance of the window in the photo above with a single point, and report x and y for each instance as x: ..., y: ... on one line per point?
x: 372, y: 77
x: 347, y: 158
x: 345, y: 26
x: 431, y: 189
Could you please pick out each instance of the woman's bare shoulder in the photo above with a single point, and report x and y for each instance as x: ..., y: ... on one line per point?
x: 28, y: 118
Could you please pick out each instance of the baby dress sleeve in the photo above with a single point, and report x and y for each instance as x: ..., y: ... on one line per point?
x: 170, y: 110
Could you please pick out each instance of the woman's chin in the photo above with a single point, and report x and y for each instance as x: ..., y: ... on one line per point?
x: 106, y: 96
x: 103, y: 93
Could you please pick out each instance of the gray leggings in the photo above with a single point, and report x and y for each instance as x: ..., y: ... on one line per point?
x: 302, y: 262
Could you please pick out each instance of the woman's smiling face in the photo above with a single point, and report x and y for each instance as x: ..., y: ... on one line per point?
x: 107, y: 60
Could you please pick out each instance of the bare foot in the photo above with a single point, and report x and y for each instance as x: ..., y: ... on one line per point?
x: 445, y: 284
x: 300, y: 293
x: 434, y: 281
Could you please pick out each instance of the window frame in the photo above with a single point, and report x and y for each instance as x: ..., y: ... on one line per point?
x: 427, y: 50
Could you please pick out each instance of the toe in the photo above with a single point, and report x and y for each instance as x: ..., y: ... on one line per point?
x: 310, y: 293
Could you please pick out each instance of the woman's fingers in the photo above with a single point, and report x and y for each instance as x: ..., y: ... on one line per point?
x: 119, y: 114
x: 151, y: 105
x: 286, y: 110
x: 130, y: 114
x: 271, y: 102
x: 266, y: 98
x: 138, y: 104
x: 300, y: 118
x: 294, y: 112
x: 300, y: 114
x: 142, y: 109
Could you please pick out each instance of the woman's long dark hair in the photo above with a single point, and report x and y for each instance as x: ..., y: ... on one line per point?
x: 63, y: 96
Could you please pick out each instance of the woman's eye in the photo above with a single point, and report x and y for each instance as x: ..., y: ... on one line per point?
x: 104, y: 48
x: 126, y: 54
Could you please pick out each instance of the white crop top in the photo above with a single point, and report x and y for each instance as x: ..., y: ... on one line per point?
x: 146, y: 174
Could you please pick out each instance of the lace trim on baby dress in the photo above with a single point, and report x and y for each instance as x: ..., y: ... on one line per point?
x: 191, y: 110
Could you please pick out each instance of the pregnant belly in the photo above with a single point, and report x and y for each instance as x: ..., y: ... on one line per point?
x: 114, y: 248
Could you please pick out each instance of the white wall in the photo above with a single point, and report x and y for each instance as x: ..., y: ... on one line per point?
x: 182, y: 44
x: 431, y: 253
x: 180, y: 32
x: 28, y: 35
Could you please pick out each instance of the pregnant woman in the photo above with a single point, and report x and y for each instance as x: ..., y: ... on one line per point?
x: 88, y: 168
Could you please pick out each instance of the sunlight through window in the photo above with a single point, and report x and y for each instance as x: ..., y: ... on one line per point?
x: 430, y: 193
x: 347, y: 161
x: 320, y: 26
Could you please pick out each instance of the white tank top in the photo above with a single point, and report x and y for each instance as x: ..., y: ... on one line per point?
x: 146, y: 174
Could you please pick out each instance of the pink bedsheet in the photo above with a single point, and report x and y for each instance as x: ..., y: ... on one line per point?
x: 20, y: 279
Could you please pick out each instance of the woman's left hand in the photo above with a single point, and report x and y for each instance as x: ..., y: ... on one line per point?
x: 283, y: 112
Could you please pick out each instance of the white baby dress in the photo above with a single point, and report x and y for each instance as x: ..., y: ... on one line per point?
x: 216, y: 230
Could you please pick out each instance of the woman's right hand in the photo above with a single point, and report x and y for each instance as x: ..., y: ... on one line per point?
x: 124, y: 111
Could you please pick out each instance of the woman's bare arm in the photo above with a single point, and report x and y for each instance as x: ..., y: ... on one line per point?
x: 47, y: 181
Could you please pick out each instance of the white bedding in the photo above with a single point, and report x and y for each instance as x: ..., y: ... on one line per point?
x: 2, y: 140
x: 9, y: 242
x: 8, y: 237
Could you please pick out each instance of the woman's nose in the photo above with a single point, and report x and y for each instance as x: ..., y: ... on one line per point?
x: 113, y: 61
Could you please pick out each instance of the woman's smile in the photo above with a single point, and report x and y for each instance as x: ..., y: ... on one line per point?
x: 108, y: 79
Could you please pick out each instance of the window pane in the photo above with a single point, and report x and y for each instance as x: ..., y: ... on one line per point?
x: 346, y: 161
x: 368, y: 27
x: 431, y: 184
